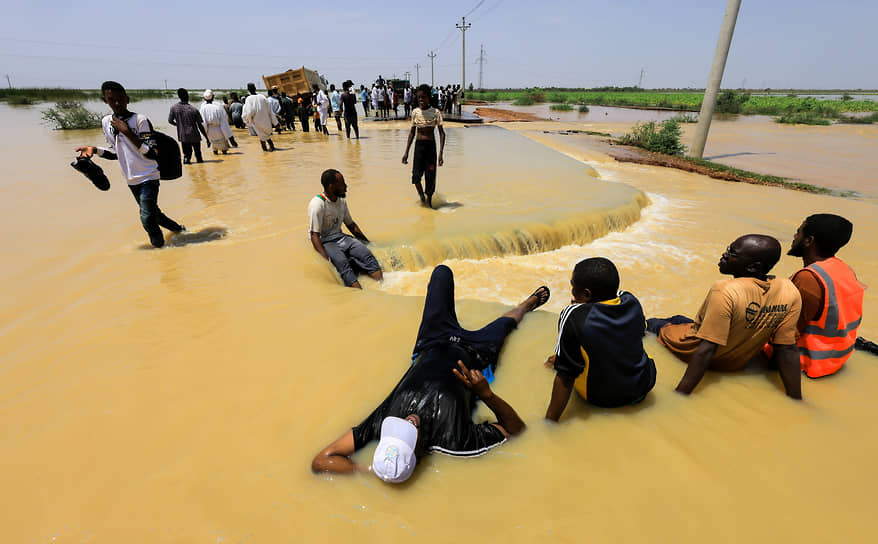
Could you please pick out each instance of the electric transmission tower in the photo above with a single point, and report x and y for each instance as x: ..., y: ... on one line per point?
x: 482, y: 60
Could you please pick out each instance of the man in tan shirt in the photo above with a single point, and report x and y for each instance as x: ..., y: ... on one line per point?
x: 738, y: 317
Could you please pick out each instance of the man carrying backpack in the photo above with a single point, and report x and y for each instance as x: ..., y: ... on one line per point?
x: 123, y: 130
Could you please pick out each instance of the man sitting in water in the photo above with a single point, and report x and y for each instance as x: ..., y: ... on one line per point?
x: 431, y: 407
x: 832, y: 297
x: 600, y: 342
x: 327, y: 212
x: 738, y: 317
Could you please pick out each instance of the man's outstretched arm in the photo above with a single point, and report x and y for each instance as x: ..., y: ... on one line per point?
x: 507, y: 420
x: 335, y: 457
x: 698, y: 365
x: 787, y: 359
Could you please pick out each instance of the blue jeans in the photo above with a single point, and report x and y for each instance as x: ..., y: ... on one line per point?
x: 147, y: 196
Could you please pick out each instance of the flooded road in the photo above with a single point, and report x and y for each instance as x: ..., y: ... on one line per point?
x: 178, y: 395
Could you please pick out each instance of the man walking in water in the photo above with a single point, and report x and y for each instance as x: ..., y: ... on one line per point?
x: 322, y: 103
x: 219, y: 133
x: 259, y: 117
x: 328, y: 211
x: 122, y: 130
x: 431, y: 407
x: 189, y: 124
x: 349, y: 109
x: 832, y: 297
x: 425, y: 119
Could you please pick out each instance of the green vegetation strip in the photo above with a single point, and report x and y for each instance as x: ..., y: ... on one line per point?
x: 765, y: 179
x: 729, y: 101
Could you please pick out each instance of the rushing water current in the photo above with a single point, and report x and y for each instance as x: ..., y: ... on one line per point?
x: 178, y: 395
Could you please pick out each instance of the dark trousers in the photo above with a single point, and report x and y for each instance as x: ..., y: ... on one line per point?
x: 365, y: 107
x: 304, y: 120
x: 424, y: 164
x: 147, y: 196
x: 188, y: 148
x: 654, y: 324
x: 349, y: 123
x: 439, y: 324
x: 337, y: 115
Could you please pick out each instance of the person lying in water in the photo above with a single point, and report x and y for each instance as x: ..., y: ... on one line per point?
x: 430, y: 409
x: 738, y: 317
x: 600, y: 343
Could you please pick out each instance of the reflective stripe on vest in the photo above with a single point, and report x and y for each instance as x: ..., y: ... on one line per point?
x: 826, y: 343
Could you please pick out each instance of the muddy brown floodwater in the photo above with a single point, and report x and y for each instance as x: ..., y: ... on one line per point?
x: 178, y: 395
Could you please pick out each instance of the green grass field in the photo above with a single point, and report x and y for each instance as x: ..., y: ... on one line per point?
x: 680, y: 100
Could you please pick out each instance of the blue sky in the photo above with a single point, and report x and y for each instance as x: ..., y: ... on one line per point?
x: 584, y: 43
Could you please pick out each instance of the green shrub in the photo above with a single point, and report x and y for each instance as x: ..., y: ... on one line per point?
x: 558, y: 98
x: 685, y: 118
x: 801, y: 118
x: 523, y: 101
x: 71, y: 115
x: 846, y: 97
x: 561, y: 107
x: 20, y: 101
x: 664, y: 138
x: 583, y: 109
x: 730, y: 102
x: 865, y: 120
x: 537, y: 96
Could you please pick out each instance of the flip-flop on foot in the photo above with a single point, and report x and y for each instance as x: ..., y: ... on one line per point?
x: 542, y: 296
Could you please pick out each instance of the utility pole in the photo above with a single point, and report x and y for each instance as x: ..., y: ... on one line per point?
x: 9, y: 81
x: 432, y: 56
x: 482, y: 60
x: 166, y: 84
x: 640, y: 81
x: 463, y: 26
x: 407, y: 75
x: 715, y: 78
x: 418, y: 72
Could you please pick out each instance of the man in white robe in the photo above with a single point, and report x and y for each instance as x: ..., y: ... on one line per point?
x: 322, y: 102
x: 217, y: 124
x: 259, y: 117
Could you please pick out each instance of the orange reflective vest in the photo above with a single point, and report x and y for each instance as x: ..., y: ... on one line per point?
x: 827, y: 342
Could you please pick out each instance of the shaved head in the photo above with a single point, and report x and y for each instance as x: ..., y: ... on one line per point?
x: 765, y: 249
x: 750, y: 256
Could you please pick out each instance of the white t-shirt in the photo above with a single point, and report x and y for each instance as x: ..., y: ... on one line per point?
x: 327, y: 217
x: 430, y: 117
x: 135, y: 167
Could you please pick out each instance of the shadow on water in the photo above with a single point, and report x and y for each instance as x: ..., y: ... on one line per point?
x: 741, y: 154
x: 207, y: 234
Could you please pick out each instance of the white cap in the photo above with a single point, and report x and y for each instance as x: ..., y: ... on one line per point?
x: 394, y: 459
x: 208, y: 94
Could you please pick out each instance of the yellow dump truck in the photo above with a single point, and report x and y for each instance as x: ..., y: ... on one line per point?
x: 294, y: 82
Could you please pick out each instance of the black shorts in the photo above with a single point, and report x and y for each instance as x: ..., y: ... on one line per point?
x: 424, y: 164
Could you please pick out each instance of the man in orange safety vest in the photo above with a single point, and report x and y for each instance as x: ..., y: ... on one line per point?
x: 832, y: 297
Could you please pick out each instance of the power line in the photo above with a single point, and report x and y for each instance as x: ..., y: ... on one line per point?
x: 474, y: 8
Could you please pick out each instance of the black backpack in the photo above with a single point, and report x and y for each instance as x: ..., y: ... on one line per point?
x: 165, y: 151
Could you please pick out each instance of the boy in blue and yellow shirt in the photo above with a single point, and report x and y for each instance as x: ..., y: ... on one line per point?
x: 600, y: 343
